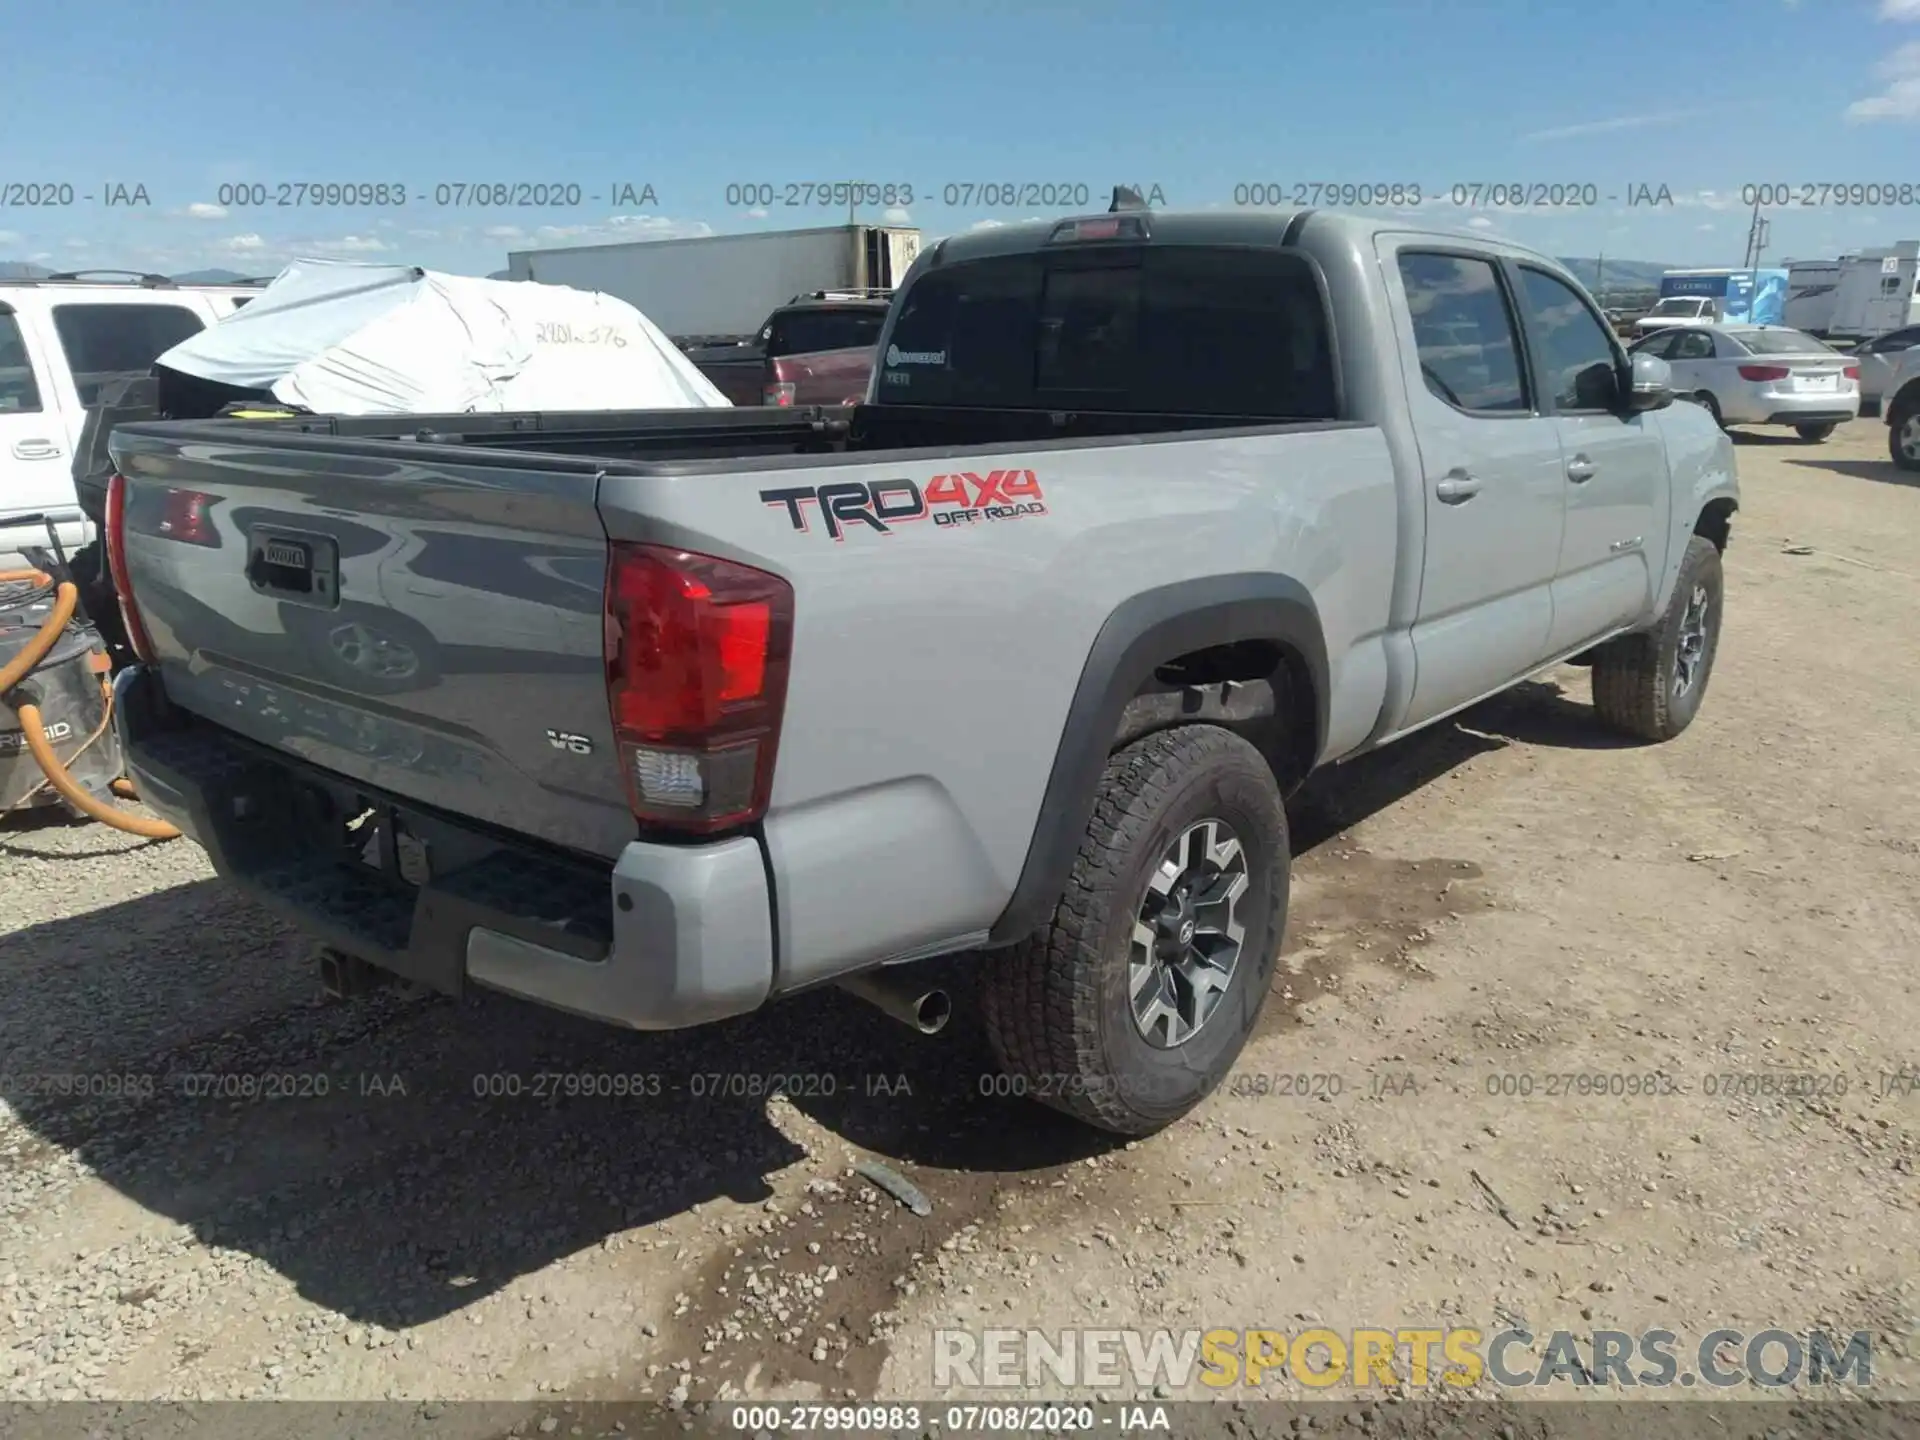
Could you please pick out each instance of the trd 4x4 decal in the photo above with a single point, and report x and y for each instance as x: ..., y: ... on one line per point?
x: 963, y: 498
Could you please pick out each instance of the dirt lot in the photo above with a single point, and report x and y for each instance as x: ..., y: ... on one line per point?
x: 1485, y: 907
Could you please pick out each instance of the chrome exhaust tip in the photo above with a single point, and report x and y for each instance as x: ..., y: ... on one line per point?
x: 924, y: 1009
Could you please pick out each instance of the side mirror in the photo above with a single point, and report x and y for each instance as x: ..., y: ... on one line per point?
x: 1650, y: 384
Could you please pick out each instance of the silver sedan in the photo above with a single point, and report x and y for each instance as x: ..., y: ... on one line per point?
x: 1761, y: 375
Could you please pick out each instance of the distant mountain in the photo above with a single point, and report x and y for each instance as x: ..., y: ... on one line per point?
x: 1618, y: 275
x: 210, y: 277
x: 24, y: 270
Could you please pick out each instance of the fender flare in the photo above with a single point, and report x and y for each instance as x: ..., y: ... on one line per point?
x: 1686, y: 524
x: 1142, y: 634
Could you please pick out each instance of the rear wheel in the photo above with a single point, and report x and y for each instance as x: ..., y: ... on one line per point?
x: 1713, y: 408
x: 1903, y: 433
x: 1650, y: 685
x: 1134, y: 1001
x: 1814, y: 433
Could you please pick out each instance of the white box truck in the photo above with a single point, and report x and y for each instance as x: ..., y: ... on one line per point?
x: 724, y: 286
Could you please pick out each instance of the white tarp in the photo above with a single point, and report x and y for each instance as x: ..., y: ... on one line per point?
x: 345, y: 339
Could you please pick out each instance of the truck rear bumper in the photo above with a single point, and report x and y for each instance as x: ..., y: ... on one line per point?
x: 665, y: 937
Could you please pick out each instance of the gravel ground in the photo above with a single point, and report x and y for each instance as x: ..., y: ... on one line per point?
x: 352, y: 1216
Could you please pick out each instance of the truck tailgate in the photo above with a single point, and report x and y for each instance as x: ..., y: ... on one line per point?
x: 424, y: 622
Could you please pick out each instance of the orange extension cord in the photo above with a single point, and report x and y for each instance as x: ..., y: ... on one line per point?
x: 65, y: 600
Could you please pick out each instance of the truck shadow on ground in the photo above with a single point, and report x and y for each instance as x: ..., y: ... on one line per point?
x: 1770, y: 439
x: 1884, y: 471
x: 399, y: 1157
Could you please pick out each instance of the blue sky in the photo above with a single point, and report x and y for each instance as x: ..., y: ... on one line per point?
x: 1197, y: 98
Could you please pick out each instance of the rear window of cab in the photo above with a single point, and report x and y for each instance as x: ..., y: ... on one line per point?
x: 1209, y: 330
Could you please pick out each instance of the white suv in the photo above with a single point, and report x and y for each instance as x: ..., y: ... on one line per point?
x: 1902, y: 408
x: 60, y: 338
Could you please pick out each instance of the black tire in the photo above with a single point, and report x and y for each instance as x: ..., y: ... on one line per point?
x: 1814, y: 434
x: 1057, y: 1005
x: 1636, y: 677
x: 1904, y: 447
x: 1713, y: 408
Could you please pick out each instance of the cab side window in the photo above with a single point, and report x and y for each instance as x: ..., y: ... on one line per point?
x: 1577, y: 360
x: 1464, y: 332
x: 1692, y: 345
x: 19, y: 392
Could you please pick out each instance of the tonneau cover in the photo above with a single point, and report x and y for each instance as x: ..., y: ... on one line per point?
x: 346, y: 339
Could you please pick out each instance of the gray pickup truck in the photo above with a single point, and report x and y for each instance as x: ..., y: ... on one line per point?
x: 659, y: 717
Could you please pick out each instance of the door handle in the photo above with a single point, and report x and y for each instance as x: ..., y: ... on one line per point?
x: 35, y: 450
x: 1456, y: 486
x: 1579, y: 470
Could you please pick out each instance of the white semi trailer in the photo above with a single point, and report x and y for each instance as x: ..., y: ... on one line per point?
x: 725, y: 286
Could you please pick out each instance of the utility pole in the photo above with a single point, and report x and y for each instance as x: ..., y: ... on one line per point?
x: 1600, y: 278
x: 1757, y: 236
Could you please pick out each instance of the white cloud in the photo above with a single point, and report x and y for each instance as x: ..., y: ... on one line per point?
x: 504, y: 232
x: 756, y: 214
x: 1701, y: 199
x: 986, y: 224
x: 618, y: 228
x: 1480, y: 222
x: 248, y: 244
x: 1704, y: 229
x: 894, y: 215
x: 350, y: 245
x: 1617, y: 122
x: 1901, y: 70
x: 1900, y: 9
x: 11, y: 237
x: 205, y: 210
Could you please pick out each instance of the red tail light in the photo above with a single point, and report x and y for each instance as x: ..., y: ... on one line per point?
x: 1852, y: 372
x: 184, y: 517
x: 1764, y: 372
x: 117, y: 567
x: 697, y: 651
x: 780, y: 393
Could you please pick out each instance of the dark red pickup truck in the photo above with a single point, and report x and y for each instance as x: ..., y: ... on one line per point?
x: 816, y: 350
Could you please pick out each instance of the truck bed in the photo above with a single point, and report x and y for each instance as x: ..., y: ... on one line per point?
x: 455, y: 664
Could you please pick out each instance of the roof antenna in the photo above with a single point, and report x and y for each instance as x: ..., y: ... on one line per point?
x: 1125, y: 197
